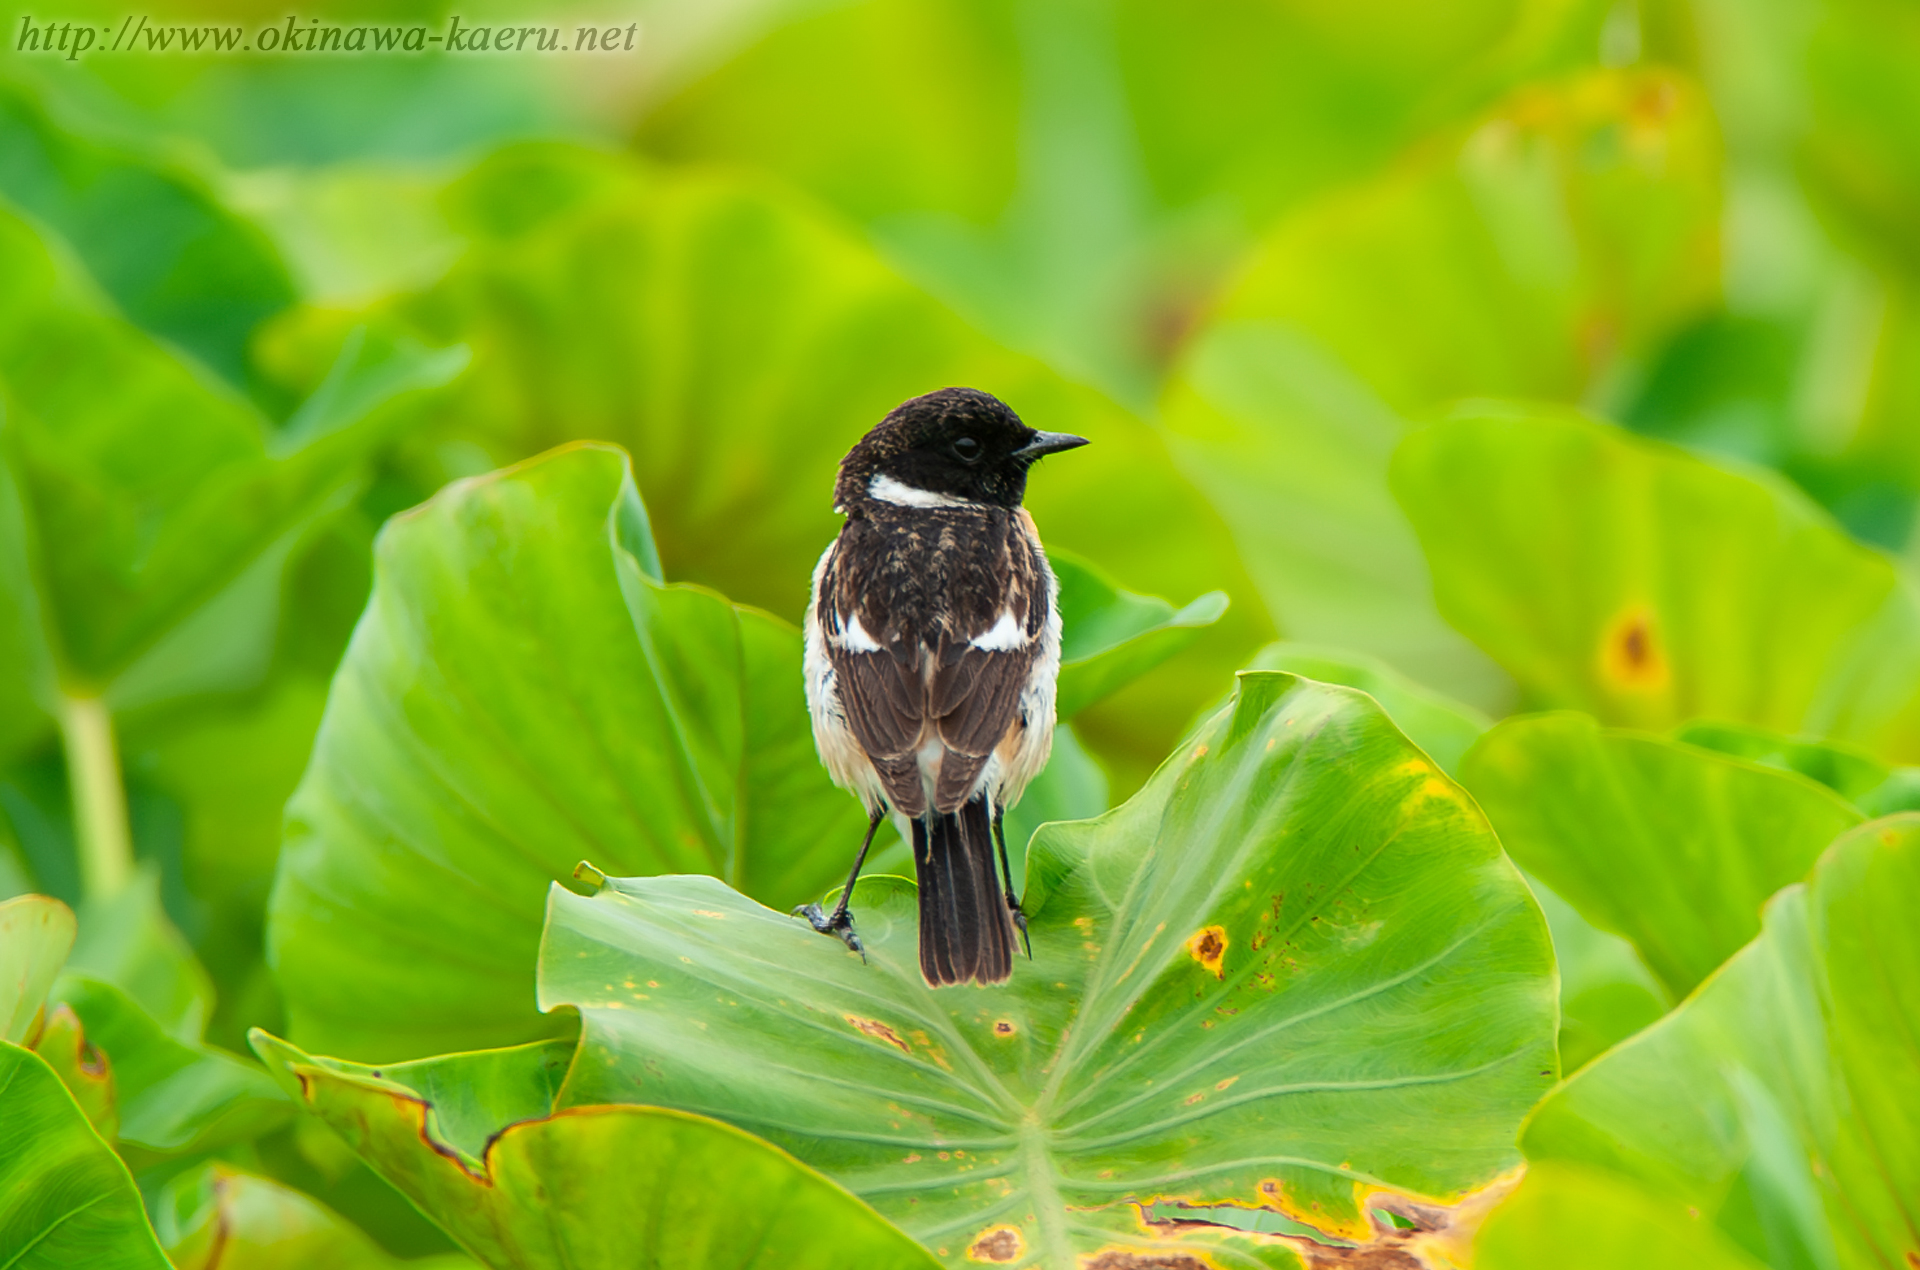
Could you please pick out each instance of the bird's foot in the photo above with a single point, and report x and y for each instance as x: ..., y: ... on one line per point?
x: 1020, y: 924
x: 839, y: 923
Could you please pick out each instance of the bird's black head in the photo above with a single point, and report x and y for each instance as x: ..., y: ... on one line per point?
x: 957, y: 445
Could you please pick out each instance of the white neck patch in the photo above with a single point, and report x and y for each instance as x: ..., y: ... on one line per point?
x: 900, y: 494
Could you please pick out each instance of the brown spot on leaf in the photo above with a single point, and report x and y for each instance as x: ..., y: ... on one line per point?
x: 1209, y: 947
x: 1003, y: 1028
x: 1114, y: 1259
x: 1913, y: 1259
x: 996, y: 1243
x: 879, y: 1032
x: 1630, y: 654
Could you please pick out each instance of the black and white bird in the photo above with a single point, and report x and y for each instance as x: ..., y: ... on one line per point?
x: 932, y: 646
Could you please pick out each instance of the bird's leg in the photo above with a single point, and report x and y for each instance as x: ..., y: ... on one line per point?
x: 1006, y: 873
x: 840, y: 922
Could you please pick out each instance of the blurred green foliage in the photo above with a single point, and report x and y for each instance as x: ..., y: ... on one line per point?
x: 1506, y: 355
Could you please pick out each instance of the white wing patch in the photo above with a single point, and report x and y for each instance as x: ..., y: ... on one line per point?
x: 1004, y: 636
x: 901, y: 494
x: 854, y: 637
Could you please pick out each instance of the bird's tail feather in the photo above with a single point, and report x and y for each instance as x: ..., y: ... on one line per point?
x: 966, y: 928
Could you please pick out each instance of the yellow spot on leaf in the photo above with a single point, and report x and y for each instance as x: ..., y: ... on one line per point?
x: 707, y: 912
x: 1631, y: 658
x: 910, y: 1159
x: 1209, y: 947
x: 1228, y: 1081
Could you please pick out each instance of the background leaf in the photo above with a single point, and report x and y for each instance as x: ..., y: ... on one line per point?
x: 1671, y: 846
x: 1238, y: 990
x: 1780, y: 1099
x: 216, y: 1217
x: 175, y: 261
x: 591, y: 1186
x: 1647, y: 587
x: 172, y: 1098
x: 1578, y: 1218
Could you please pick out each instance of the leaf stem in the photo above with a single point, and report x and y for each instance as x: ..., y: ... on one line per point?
x: 99, y: 799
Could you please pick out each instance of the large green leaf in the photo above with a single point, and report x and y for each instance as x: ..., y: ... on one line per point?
x: 65, y: 1198
x: 216, y: 1217
x: 469, y: 1138
x: 1624, y: 578
x: 174, y: 261
x: 36, y: 934
x: 1782, y: 1099
x: 525, y: 692
x: 1295, y: 973
x: 1674, y: 847
x: 1580, y: 1219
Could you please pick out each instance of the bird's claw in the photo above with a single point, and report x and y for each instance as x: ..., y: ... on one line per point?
x: 839, y: 923
x: 1020, y: 923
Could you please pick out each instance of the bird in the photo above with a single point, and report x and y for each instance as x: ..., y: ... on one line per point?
x: 932, y: 646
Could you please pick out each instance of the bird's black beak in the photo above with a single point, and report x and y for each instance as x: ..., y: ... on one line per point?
x: 1045, y: 443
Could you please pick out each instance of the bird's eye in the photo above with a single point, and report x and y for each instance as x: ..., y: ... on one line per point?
x: 966, y: 449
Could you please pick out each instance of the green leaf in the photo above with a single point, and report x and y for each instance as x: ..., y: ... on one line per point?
x: 1444, y: 728
x: 175, y: 262
x: 1280, y: 976
x: 36, y: 934
x: 216, y: 1217
x: 1111, y: 637
x: 1671, y: 846
x: 1624, y: 578
x: 588, y: 1188
x: 1579, y: 1219
x: 65, y: 1198
x: 174, y: 1098
x: 1782, y: 1100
